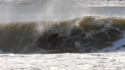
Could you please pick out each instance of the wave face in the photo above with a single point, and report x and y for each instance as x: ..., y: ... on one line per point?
x: 83, y: 34
x: 15, y: 36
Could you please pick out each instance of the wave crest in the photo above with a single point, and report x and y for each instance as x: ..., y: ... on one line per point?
x: 86, y: 34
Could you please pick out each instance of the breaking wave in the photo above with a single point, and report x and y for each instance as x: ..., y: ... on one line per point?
x: 82, y: 34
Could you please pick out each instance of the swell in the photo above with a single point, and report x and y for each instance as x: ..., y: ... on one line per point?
x: 83, y: 34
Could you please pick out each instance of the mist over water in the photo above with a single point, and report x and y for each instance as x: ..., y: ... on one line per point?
x: 37, y: 10
x: 78, y: 22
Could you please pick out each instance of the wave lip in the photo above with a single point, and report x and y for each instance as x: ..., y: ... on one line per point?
x: 88, y: 34
x: 85, y: 34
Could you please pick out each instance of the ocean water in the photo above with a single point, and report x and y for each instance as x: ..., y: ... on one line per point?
x: 83, y: 25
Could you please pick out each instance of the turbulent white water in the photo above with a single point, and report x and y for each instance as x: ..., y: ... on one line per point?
x: 75, y: 61
x: 18, y: 31
x: 54, y: 10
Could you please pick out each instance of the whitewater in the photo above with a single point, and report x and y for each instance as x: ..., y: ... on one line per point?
x: 91, y: 34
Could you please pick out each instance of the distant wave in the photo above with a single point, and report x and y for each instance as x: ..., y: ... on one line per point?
x: 79, y: 2
x: 83, y: 34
